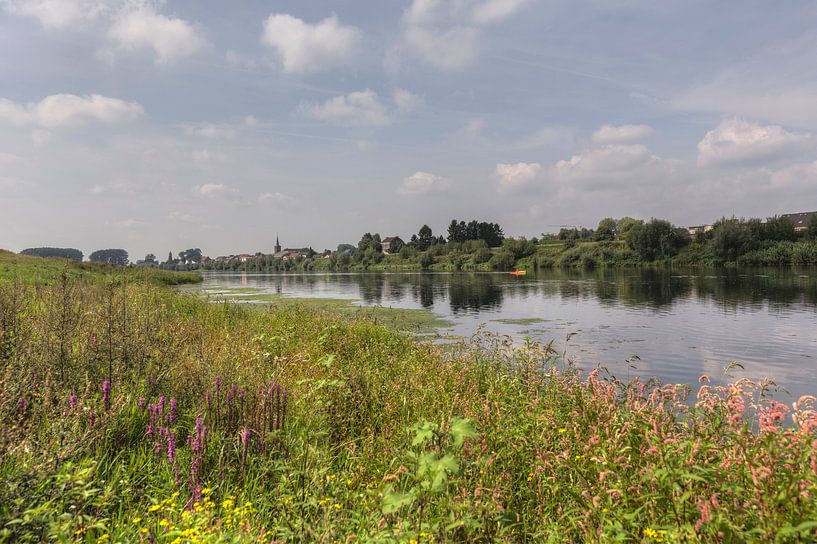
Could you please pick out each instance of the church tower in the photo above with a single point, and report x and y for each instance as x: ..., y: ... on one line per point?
x: 277, y: 245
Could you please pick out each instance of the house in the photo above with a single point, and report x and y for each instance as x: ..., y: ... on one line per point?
x: 392, y: 244
x: 800, y: 220
x: 243, y: 257
x: 699, y: 229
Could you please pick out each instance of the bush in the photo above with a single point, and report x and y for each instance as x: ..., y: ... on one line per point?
x: 656, y: 239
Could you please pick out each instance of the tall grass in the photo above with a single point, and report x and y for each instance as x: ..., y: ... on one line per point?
x: 130, y: 413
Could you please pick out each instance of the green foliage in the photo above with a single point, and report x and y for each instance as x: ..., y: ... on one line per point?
x: 62, y: 252
x: 656, y: 239
x: 607, y: 229
x: 110, y: 256
x: 811, y: 231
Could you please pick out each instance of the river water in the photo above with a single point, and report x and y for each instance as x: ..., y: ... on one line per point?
x: 679, y: 324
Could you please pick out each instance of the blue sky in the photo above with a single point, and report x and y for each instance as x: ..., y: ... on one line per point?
x: 157, y: 126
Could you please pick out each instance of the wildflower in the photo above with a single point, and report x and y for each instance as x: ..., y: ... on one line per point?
x: 171, y: 417
x: 72, y: 401
x: 562, y: 430
x: 153, y: 508
x: 142, y: 403
x: 104, y: 537
x: 106, y: 394
x: 91, y: 418
x: 21, y: 405
x: 649, y: 532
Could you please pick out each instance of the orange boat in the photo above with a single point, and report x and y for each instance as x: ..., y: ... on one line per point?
x: 518, y: 272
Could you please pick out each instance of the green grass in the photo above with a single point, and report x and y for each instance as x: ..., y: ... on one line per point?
x: 381, y: 438
x: 38, y: 270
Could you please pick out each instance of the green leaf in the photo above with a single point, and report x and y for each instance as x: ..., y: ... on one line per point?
x: 462, y: 428
x: 423, y: 432
x: 394, y: 501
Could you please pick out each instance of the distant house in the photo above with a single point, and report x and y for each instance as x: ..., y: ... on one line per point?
x: 243, y: 257
x: 800, y: 220
x: 290, y: 253
x: 392, y: 244
x: 699, y: 229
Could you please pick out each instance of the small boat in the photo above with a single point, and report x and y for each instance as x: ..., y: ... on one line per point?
x: 518, y: 272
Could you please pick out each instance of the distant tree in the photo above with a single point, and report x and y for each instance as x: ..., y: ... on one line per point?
x: 731, y: 238
x: 424, y: 238
x: 440, y: 240
x: 396, y: 246
x: 456, y: 231
x: 112, y: 256
x: 190, y: 255
x: 626, y: 225
x: 811, y: 231
x: 414, y: 242
x: 779, y: 229
x: 656, y: 239
x: 607, y: 229
x: 365, y: 242
x: 346, y: 248
x: 62, y: 252
x: 376, y: 243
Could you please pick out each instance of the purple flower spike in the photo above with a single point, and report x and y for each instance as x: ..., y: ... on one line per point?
x: 106, y: 394
x: 171, y: 417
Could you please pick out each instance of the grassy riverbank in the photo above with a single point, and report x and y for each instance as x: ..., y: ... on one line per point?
x: 131, y: 413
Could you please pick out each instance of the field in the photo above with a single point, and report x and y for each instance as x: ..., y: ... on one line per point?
x: 132, y: 413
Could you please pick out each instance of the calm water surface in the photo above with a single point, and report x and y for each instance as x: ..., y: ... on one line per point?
x: 680, y: 325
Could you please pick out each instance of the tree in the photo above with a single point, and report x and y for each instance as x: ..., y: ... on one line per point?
x: 626, y: 225
x: 112, y: 256
x: 424, y: 238
x: 190, y: 256
x: 779, y: 229
x: 607, y: 229
x: 62, y: 252
x: 731, y: 238
x: 811, y: 231
x: 656, y: 239
x: 365, y: 242
x: 456, y: 231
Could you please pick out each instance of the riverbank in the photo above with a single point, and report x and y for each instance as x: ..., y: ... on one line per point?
x: 528, y: 255
x: 139, y: 414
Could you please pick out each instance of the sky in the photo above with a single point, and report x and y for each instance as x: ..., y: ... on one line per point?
x: 157, y: 126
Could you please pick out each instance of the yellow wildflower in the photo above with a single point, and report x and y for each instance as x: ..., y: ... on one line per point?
x: 154, y: 508
x: 562, y: 430
x: 164, y: 523
x: 137, y: 520
x: 104, y: 537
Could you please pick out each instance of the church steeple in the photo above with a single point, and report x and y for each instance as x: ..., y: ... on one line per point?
x: 277, y: 244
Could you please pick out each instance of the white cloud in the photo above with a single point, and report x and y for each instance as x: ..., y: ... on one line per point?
x: 492, y: 11
x: 182, y: 217
x: 145, y: 29
x: 204, y: 155
x: 211, y: 131
x: 617, y: 163
x: 9, y: 158
x: 276, y: 199
x: 212, y: 190
x: 801, y: 175
x: 421, y: 183
x: 68, y: 109
x: 449, y: 49
x: 406, y: 100
x: 736, y: 141
x: 357, y: 108
x: 515, y: 176
x: 58, y: 14
x: 304, y: 47
x: 611, y: 134
x: 446, y: 34
x: 129, y: 223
